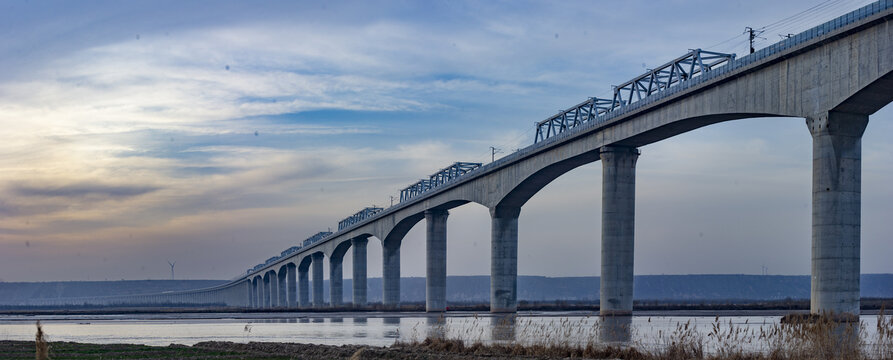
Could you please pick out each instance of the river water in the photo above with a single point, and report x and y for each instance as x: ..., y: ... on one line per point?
x: 382, y: 329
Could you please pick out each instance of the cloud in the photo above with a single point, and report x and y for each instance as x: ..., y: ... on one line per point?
x: 242, y: 127
x: 93, y: 190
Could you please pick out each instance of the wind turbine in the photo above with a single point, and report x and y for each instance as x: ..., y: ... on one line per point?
x: 172, y: 268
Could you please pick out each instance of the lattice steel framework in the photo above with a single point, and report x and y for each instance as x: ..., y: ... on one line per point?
x: 358, y: 216
x: 688, y: 66
x: 316, y: 237
x: 441, y: 177
x: 290, y: 251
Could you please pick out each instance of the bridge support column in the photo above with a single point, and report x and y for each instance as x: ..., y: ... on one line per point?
x: 836, y: 211
x: 359, y: 270
x: 303, y: 287
x: 504, y: 259
x: 290, y: 284
x: 618, y: 225
x: 250, y: 288
x: 255, y: 293
x: 435, y: 282
x: 391, y: 273
x: 282, y: 286
x: 266, y: 290
x: 336, y: 281
x: 317, y: 280
x: 274, y: 289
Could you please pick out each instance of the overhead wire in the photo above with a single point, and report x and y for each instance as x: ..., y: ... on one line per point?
x: 806, y: 19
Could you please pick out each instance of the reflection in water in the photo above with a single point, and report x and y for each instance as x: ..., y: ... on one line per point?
x: 503, y: 327
x: 615, y: 330
x: 391, y: 332
x: 360, y: 327
x: 436, y: 325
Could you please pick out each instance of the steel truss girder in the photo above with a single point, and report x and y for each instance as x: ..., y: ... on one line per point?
x: 316, y: 237
x: 688, y: 66
x: 441, y: 177
x: 358, y: 216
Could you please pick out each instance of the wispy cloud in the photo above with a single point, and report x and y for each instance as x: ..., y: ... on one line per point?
x: 137, y: 131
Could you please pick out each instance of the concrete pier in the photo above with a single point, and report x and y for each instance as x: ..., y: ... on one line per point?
x: 836, y: 211
x: 618, y: 226
x: 318, y: 301
x: 303, y: 287
x: 359, y: 270
x: 436, y: 238
x: 267, y: 290
x: 391, y: 274
x: 504, y: 259
x: 250, y: 294
x: 256, y: 286
x: 282, y: 286
x: 291, y: 285
x: 336, y: 281
x: 274, y: 289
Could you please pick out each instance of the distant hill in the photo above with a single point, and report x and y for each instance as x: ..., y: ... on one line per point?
x: 19, y: 292
x: 647, y: 287
x: 477, y: 288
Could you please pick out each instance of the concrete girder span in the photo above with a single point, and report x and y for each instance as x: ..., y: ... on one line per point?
x: 837, y: 79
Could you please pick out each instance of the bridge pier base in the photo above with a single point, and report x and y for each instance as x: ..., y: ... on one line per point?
x: 836, y: 211
x: 391, y: 274
x: 618, y: 225
x: 435, y: 281
x: 504, y: 259
x: 336, y: 281
x: 303, y: 287
x: 317, y: 280
x: 359, y: 270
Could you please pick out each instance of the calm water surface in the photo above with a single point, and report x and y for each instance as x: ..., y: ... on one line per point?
x: 380, y: 329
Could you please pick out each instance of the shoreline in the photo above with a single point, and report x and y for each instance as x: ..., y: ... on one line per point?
x: 642, y: 308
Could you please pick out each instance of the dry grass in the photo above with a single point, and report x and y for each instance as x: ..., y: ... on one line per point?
x: 819, y: 337
x: 43, y: 348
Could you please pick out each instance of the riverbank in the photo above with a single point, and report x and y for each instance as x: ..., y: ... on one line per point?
x: 869, y: 306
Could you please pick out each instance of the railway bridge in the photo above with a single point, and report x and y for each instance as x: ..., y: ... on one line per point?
x: 835, y: 76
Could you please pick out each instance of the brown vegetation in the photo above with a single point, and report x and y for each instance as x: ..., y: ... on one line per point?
x: 43, y: 348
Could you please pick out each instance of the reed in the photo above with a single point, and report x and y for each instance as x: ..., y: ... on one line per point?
x: 798, y: 338
x: 43, y: 347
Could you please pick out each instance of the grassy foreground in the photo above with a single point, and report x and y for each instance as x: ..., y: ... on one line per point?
x: 255, y: 350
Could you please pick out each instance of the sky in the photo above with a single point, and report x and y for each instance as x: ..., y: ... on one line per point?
x: 217, y: 134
